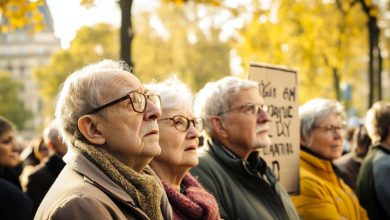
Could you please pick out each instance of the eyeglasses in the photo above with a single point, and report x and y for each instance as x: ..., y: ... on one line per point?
x: 248, y: 109
x: 182, y: 123
x: 138, y: 101
x: 331, y: 129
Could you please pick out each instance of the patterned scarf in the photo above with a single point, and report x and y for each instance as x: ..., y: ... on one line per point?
x: 144, y: 188
x: 193, y: 203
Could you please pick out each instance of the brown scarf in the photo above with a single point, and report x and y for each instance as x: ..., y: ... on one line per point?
x: 144, y: 188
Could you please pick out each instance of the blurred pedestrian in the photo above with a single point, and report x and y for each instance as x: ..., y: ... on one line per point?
x: 40, y: 181
x: 349, y: 164
x: 14, y: 204
x: 374, y: 176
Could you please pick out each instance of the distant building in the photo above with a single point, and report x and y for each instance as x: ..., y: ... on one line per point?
x: 20, y: 53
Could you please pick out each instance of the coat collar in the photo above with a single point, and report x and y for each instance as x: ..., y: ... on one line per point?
x: 319, y: 167
x: 95, y: 176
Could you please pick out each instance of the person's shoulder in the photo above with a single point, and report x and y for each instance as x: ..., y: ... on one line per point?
x: 76, y: 206
x: 14, y: 204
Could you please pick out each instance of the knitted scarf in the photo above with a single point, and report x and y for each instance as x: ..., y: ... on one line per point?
x: 193, y: 203
x: 144, y: 188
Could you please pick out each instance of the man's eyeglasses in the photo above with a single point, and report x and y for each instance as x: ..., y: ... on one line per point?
x: 137, y: 99
x: 331, y: 129
x: 182, y: 123
x: 248, y: 109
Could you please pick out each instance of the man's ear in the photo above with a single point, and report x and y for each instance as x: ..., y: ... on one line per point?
x: 88, y: 127
x: 218, y: 126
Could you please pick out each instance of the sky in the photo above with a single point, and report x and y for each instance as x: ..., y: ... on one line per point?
x: 69, y: 16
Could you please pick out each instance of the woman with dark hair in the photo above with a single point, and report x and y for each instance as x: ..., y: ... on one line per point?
x: 14, y: 204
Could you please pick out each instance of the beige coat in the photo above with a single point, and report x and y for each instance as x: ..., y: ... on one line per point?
x: 83, y: 191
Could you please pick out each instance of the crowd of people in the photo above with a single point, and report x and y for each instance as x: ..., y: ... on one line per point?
x: 121, y: 149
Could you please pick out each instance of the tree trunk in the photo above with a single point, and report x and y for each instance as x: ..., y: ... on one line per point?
x: 126, y: 32
x: 336, y: 83
x: 371, y: 75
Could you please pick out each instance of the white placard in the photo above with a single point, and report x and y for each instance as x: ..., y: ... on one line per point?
x: 279, y: 88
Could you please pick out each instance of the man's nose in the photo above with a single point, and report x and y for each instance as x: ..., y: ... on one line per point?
x: 152, y: 111
x: 262, y: 117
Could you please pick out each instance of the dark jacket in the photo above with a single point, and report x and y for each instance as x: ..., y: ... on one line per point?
x: 83, y: 191
x: 348, y: 168
x: 40, y: 181
x: 373, y: 183
x: 14, y: 204
x: 243, y: 190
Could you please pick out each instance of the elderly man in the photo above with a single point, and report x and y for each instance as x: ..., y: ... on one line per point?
x: 373, y: 181
x: 109, y: 122
x: 236, y: 122
x: 40, y: 181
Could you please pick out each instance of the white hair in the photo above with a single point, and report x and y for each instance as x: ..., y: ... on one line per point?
x: 51, y: 133
x: 214, y: 98
x: 315, y: 109
x: 174, y: 94
x: 81, y: 93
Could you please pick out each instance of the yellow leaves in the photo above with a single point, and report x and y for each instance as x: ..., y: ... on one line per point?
x: 207, y: 2
x: 17, y: 14
x: 87, y: 3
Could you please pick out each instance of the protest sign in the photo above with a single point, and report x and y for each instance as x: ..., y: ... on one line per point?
x: 278, y: 86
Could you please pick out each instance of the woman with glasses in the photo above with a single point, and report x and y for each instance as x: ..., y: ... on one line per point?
x: 179, y: 132
x: 323, y: 195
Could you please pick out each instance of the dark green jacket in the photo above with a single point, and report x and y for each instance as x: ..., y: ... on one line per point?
x: 373, y: 183
x: 239, y: 186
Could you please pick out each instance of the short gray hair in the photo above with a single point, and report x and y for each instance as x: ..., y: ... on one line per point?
x: 82, y: 92
x: 51, y: 133
x: 214, y: 97
x: 378, y: 121
x: 174, y: 94
x: 315, y: 109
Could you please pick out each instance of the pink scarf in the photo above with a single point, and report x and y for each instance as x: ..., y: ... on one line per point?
x: 194, y: 203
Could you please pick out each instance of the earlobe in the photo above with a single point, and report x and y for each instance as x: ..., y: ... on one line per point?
x: 87, y: 126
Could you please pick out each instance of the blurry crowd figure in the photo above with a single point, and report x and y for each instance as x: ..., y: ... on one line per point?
x: 35, y: 153
x: 349, y: 164
x: 236, y: 122
x: 40, y: 180
x: 179, y: 131
x: 373, y: 184
x: 323, y: 195
x: 14, y: 204
x: 109, y: 122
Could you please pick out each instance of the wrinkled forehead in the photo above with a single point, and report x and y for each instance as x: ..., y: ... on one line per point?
x: 120, y: 82
x: 244, y: 96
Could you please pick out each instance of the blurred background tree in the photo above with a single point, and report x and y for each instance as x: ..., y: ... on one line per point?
x: 11, y: 107
x: 91, y: 44
x: 16, y: 14
x: 336, y: 45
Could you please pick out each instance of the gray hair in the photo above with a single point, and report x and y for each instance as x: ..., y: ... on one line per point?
x: 82, y: 92
x: 174, y: 94
x: 50, y: 133
x: 315, y: 109
x: 378, y: 121
x: 214, y: 97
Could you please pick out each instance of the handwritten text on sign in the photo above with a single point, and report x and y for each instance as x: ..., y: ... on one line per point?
x: 278, y: 87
